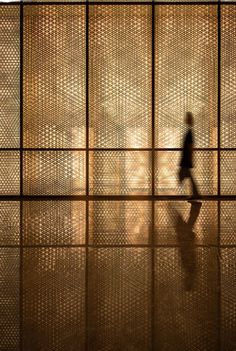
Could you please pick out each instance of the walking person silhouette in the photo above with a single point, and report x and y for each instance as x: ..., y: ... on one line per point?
x: 186, y: 163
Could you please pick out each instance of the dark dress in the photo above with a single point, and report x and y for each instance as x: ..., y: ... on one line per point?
x: 185, y: 159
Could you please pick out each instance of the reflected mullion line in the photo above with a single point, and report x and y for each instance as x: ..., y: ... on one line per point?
x: 116, y: 149
x: 219, y: 272
x: 112, y: 246
x: 135, y: 3
x: 121, y: 149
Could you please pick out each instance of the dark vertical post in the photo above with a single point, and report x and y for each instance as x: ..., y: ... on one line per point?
x: 219, y: 95
x: 218, y: 165
x: 21, y: 182
x: 152, y: 237
x: 87, y: 176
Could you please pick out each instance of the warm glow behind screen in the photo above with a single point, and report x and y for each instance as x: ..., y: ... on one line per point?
x: 93, y: 99
x: 112, y: 72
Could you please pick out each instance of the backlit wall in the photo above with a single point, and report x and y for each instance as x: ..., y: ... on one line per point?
x: 93, y: 98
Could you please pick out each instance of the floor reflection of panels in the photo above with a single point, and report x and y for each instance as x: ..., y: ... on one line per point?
x: 54, y: 222
x: 227, y: 222
x: 9, y: 299
x: 54, y: 299
x: 201, y: 216
x: 119, y: 222
x: 192, y: 296
x: 120, y: 299
x: 228, y: 300
x: 10, y: 222
x: 186, y: 299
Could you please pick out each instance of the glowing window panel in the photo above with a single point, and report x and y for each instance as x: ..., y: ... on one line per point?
x: 120, y: 173
x: 185, y: 74
x: 120, y: 76
x: 10, y: 76
x: 54, y: 77
x: 167, y: 168
x: 228, y: 76
x: 54, y: 172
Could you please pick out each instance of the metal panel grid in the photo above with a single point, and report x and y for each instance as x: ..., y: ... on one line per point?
x: 83, y: 263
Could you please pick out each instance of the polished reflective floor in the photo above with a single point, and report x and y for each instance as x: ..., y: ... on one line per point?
x: 132, y: 275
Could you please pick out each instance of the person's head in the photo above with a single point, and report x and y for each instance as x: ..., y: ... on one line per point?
x: 189, y: 118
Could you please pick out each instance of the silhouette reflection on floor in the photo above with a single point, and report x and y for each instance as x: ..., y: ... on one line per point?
x: 186, y: 241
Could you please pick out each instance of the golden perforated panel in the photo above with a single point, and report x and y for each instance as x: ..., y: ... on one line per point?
x: 201, y: 217
x: 228, y: 76
x: 9, y: 173
x: 54, y: 172
x: 9, y: 73
x: 167, y: 168
x: 227, y: 222
x: 119, y: 222
x: 120, y: 76
x: 186, y: 304
x: 9, y: 299
x: 9, y: 222
x: 186, y: 74
x: 53, y: 299
x: 54, y: 222
x: 54, y: 76
x: 119, y: 299
x: 131, y: 298
x: 228, y: 172
x: 228, y: 300
x: 120, y: 172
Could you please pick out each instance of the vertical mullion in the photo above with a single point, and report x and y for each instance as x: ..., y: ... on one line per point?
x: 219, y: 94
x: 218, y: 169
x: 152, y: 238
x: 87, y: 175
x: 21, y: 184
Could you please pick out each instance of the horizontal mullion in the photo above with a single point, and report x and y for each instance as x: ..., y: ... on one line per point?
x: 112, y: 198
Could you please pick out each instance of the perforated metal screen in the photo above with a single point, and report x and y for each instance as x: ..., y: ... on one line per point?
x: 98, y: 248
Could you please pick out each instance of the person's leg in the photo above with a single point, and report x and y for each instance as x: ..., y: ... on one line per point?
x: 182, y: 174
x: 195, y: 191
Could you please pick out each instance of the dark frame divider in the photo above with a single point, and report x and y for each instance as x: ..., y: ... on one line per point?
x: 21, y: 178
x: 219, y: 95
x: 87, y: 181
x: 218, y: 172
x: 152, y: 236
